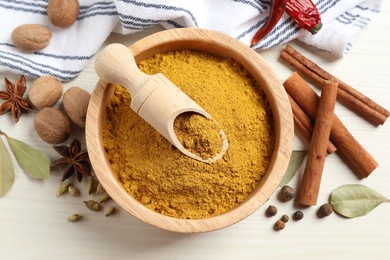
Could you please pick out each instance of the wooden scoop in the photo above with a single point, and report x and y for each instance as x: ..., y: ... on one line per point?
x: 153, y: 97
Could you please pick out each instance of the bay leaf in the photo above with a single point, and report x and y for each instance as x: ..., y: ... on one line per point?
x: 7, y: 173
x: 32, y: 161
x: 295, y: 162
x: 355, y: 200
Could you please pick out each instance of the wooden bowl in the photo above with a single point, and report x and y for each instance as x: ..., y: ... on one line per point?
x: 222, y: 45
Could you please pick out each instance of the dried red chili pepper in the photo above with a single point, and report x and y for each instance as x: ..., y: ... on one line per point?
x: 305, y: 14
x: 277, y: 10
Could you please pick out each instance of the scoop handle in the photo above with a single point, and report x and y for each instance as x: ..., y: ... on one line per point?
x: 116, y: 64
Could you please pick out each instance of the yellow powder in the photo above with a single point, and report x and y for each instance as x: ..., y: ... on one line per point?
x: 198, y: 134
x: 162, y: 178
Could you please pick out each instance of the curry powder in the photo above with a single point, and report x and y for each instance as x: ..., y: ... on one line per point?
x: 158, y: 175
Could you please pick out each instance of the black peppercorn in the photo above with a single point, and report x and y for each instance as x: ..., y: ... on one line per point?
x: 271, y: 211
x: 286, y: 193
x: 285, y: 218
x: 298, y: 215
x: 279, y: 225
x: 325, y: 210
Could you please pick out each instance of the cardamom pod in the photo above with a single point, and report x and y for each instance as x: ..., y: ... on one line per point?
x: 62, y: 189
x: 111, y: 210
x: 75, y: 217
x: 73, y: 191
x: 104, y: 197
x: 92, y: 185
x: 99, y: 189
x: 93, y: 205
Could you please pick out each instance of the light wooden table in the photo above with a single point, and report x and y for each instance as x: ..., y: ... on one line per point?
x: 33, y: 221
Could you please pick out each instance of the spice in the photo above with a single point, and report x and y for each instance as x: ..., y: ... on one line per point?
x: 284, y: 218
x: 325, y: 210
x: 93, y: 205
x: 111, y: 210
x: 276, y: 12
x: 74, y: 191
x: 74, y: 159
x: 311, y: 179
x: 160, y: 176
x: 62, y: 189
x: 271, y: 211
x: 286, y: 193
x: 279, y: 225
x: 298, y: 215
x: 92, y: 185
x: 349, y: 149
x: 75, y: 217
x: 304, y: 126
x: 305, y: 14
x: 198, y: 134
x: 350, y: 97
x: 104, y: 197
x: 14, y: 100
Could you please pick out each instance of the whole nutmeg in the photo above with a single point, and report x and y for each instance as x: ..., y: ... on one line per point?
x: 45, y: 92
x: 75, y: 103
x: 52, y: 125
x: 325, y: 210
x: 31, y: 37
x: 63, y: 13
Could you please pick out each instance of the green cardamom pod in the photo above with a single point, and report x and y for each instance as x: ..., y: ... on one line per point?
x: 93, y: 205
x: 62, y: 189
x: 111, y: 210
x: 104, y: 197
x: 92, y: 185
x: 73, y: 191
x: 75, y: 217
x: 99, y: 189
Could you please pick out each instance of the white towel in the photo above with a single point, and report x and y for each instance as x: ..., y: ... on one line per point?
x: 71, y: 48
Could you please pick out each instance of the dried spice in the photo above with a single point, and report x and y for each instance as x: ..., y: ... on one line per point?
x: 74, y: 191
x: 14, y: 100
x: 298, y: 215
x: 158, y: 175
x: 104, y: 197
x: 286, y: 193
x: 285, y: 218
x: 74, y: 159
x: 325, y: 210
x: 93, y: 205
x: 271, y: 211
x: 279, y: 225
x: 62, y: 189
x: 111, y: 210
x: 75, y: 218
x: 355, y: 200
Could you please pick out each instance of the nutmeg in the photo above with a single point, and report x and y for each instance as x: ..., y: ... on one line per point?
x: 31, y: 37
x: 63, y: 13
x: 52, y: 125
x: 45, y: 92
x: 75, y: 103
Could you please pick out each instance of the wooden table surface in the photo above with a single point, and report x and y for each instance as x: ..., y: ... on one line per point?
x: 33, y: 220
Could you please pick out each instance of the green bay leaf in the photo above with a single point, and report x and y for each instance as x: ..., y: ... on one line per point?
x: 32, y: 161
x: 355, y: 200
x: 295, y: 162
x: 7, y: 173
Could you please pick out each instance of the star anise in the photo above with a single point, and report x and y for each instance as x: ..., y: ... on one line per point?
x: 76, y: 161
x: 14, y: 100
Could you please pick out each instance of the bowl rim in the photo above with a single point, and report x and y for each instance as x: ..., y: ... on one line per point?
x: 222, y: 45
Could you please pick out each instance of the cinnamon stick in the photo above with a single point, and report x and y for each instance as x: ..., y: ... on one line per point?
x: 350, y: 97
x: 360, y: 161
x: 311, y: 179
x: 304, y: 126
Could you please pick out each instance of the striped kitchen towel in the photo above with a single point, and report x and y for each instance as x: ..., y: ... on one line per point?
x: 70, y: 49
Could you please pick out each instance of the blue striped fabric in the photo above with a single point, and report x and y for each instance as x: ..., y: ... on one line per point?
x: 70, y: 49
